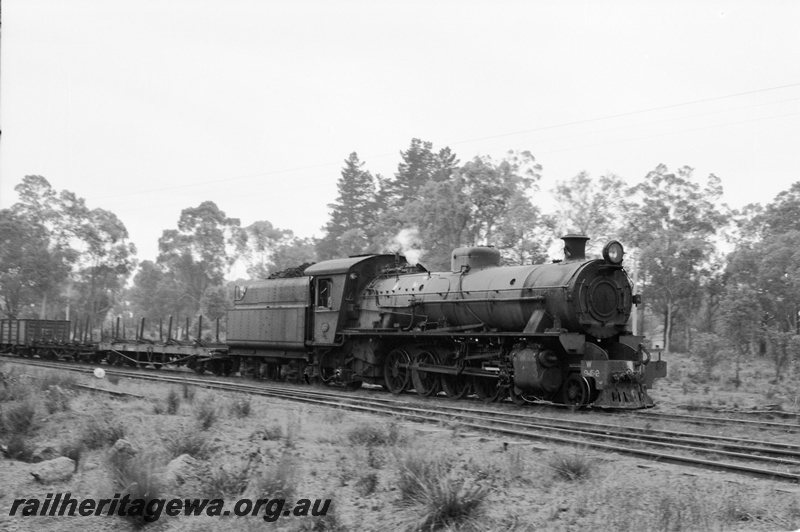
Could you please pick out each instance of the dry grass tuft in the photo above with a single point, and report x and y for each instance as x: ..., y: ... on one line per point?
x: 570, y: 467
x: 189, y: 440
x: 139, y: 477
x: 241, y: 407
x: 277, y: 481
x: 206, y: 413
x: 20, y: 417
x: 98, y: 432
x: 13, y: 389
x: 173, y: 402
x: 227, y: 483
x: 188, y: 392
x: 19, y: 448
x: 444, y: 500
x: 57, y: 399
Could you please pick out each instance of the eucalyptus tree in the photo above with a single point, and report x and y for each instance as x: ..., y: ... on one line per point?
x: 740, y: 323
x: 200, y: 252
x: 672, y: 221
x: 767, y: 259
x: 152, y: 295
x: 483, y: 202
x: 524, y: 233
x: 271, y: 249
x: 591, y: 207
x: 441, y: 218
x: 494, y: 186
x: 30, y: 269
x: 262, y: 240
x: 83, y: 255
x: 783, y: 213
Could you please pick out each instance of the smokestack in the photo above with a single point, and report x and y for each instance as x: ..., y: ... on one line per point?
x: 574, y: 247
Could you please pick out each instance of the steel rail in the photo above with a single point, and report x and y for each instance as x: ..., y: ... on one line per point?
x: 735, y: 411
x: 708, y: 420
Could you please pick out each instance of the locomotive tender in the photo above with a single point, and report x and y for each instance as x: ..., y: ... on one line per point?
x: 550, y: 331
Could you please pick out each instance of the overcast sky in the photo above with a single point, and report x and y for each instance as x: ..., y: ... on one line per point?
x: 149, y: 107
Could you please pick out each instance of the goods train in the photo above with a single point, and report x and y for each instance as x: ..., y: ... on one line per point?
x: 554, y: 332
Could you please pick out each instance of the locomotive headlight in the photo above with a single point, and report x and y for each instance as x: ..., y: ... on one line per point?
x: 613, y: 252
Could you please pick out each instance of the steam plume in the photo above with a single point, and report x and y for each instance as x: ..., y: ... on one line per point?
x: 409, y: 244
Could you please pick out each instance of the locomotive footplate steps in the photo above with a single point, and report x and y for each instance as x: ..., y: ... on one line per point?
x: 620, y: 383
x: 628, y: 395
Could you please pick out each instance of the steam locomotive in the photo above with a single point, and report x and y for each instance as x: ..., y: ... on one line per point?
x: 553, y: 332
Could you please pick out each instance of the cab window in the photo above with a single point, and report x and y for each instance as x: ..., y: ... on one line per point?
x: 352, y: 281
x: 324, y: 293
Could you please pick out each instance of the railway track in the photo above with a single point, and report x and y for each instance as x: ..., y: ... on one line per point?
x: 769, y: 413
x: 765, y: 459
x: 790, y: 427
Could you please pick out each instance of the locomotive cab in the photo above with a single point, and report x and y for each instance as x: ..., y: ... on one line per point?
x: 336, y: 286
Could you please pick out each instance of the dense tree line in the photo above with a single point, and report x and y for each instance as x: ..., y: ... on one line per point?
x: 56, y: 253
x: 59, y: 258
x: 673, y: 224
x: 434, y: 204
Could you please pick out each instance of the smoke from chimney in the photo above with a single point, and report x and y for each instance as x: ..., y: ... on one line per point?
x: 410, y: 245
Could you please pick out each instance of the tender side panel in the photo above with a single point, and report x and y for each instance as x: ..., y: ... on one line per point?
x: 277, y: 328
x: 272, y: 314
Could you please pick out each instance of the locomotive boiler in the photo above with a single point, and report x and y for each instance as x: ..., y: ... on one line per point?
x: 554, y: 332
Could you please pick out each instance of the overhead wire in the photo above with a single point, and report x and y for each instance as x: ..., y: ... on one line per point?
x: 176, y: 201
x: 521, y: 132
x: 668, y: 133
x: 632, y: 113
x: 664, y: 121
